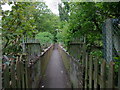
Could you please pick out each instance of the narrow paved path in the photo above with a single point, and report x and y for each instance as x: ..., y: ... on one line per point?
x: 55, y: 76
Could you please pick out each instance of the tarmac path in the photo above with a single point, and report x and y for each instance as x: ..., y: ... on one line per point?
x: 55, y: 76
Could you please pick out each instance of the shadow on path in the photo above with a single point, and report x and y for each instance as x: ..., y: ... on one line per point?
x: 55, y: 76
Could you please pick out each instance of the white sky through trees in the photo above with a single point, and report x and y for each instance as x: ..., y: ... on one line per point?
x: 52, y: 5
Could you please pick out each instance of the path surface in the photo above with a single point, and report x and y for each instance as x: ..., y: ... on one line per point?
x: 55, y: 76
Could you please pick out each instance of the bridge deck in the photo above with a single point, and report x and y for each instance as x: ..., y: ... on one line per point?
x: 55, y: 76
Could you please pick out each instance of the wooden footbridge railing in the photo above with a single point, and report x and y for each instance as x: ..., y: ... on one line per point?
x: 26, y: 72
x: 88, y: 72
x: 91, y: 72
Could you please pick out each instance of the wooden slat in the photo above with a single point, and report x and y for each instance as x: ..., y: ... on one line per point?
x: 84, y: 53
x: 95, y: 73
x: 119, y: 78
x: 99, y: 79
x: 6, y: 78
x: 22, y: 75
x: 103, y: 74
x: 111, y: 75
x: 29, y: 78
x: 18, y: 71
x: 90, y: 71
x: 86, y: 71
x: 13, y: 76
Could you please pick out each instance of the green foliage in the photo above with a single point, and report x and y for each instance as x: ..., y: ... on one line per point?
x: 117, y: 58
x: 16, y: 24
x: 117, y: 63
x: 45, y: 20
x: 63, y: 11
x: 77, y: 19
x: 26, y: 20
x: 45, y: 37
x: 63, y: 34
x: 97, y: 53
x: 86, y: 19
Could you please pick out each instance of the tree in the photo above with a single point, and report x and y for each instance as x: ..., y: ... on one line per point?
x: 86, y: 19
x: 45, y: 37
x: 25, y: 21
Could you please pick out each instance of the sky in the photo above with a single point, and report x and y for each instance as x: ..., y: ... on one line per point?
x: 6, y: 7
x: 52, y: 5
